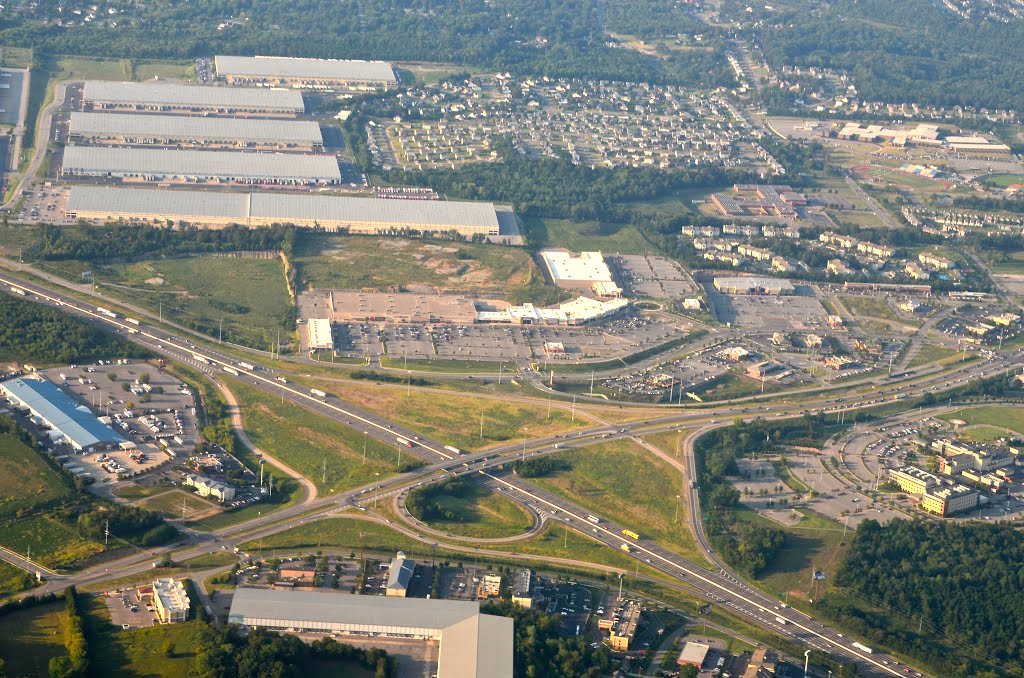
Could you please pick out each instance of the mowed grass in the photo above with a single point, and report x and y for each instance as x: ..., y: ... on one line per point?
x: 1013, y: 265
x: 169, y: 504
x: 482, y: 513
x: 30, y: 638
x: 304, y: 440
x: 51, y: 542
x: 114, y: 652
x: 132, y: 491
x: 26, y: 480
x: 356, y: 262
x: 932, y: 353
x: 622, y: 481
x: 983, y: 433
x: 455, y: 419
x: 173, y: 70
x: 201, y: 563
x: 586, y: 235
x: 246, y: 298
x: 1004, y: 418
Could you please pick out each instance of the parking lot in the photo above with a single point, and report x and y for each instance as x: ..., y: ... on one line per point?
x: 127, y: 611
x: 801, y: 313
x: 647, y: 276
x: 45, y: 204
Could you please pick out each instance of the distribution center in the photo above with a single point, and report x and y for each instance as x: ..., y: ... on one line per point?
x: 168, y: 130
x: 161, y: 164
x: 190, y: 98
x: 315, y: 73
x: 215, y: 209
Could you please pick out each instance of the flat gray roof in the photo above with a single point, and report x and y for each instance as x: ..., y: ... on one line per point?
x: 162, y: 162
x: 427, y: 214
x: 74, y: 421
x: 255, y: 130
x: 198, y: 96
x: 473, y: 645
x: 313, y: 69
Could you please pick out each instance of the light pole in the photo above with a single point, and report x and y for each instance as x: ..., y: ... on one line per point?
x: 807, y: 662
x: 676, y: 519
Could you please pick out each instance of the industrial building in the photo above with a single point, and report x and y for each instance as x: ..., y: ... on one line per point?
x: 471, y: 644
x: 583, y: 271
x: 168, y: 97
x: 621, y: 625
x: 522, y: 587
x: 399, y: 575
x: 164, y: 164
x: 694, y: 654
x: 305, y: 73
x: 180, y: 130
x: 170, y: 600
x: 407, y: 307
x: 754, y: 285
x: 370, y: 216
x: 68, y: 421
x: 318, y: 334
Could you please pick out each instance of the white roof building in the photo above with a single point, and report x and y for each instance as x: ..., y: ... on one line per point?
x: 168, y: 96
x: 305, y: 71
x: 149, y: 128
x: 472, y: 645
x: 171, y: 601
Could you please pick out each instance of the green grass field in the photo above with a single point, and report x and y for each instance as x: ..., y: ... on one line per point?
x: 169, y: 504
x: 588, y: 235
x: 114, y: 652
x: 52, y: 543
x: 483, y: 513
x: 173, y: 70
x: 248, y: 297
x: 1011, y: 418
x: 1014, y: 264
x: 933, y: 353
x: 815, y: 543
x: 206, y: 561
x: 131, y: 491
x: 14, y: 579
x: 304, y: 440
x: 30, y: 638
x: 869, y: 306
x: 1004, y: 180
x: 25, y: 479
x: 354, y: 262
x: 454, y: 418
x: 983, y: 433
x: 623, y: 481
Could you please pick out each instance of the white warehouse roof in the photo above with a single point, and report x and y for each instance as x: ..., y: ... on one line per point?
x: 312, y: 69
x: 192, y: 96
x: 166, y: 163
x: 281, y: 207
x: 585, y: 266
x: 255, y: 130
x: 472, y: 645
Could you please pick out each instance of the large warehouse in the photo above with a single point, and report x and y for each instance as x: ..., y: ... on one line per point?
x: 68, y: 421
x: 583, y: 271
x: 175, y: 130
x: 754, y: 285
x: 471, y: 644
x: 163, y: 164
x: 167, y: 97
x: 216, y: 209
x: 311, y: 73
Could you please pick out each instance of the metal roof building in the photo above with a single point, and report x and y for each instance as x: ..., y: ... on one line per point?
x: 175, y: 97
x: 399, y: 575
x: 754, y: 285
x: 471, y: 644
x: 305, y: 72
x: 208, y: 208
x: 188, y: 165
x: 173, y: 129
x: 75, y: 423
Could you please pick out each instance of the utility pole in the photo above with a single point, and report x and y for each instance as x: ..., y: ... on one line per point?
x: 591, y: 382
x: 325, y: 470
x: 220, y: 332
x: 481, y: 423
x: 365, y: 436
x: 106, y: 529
x: 574, y: 408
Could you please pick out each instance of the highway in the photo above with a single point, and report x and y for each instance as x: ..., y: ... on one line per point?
x: 721, y: 586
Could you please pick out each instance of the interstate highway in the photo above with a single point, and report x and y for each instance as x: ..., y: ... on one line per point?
x: 755, y: 605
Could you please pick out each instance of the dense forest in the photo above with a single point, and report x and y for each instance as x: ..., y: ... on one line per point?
x: 541, y: 651
x: 124, y: 241
x: 565, y: 38
x: 910, y: 51
x: 33, y: 333
x: 908, y: 583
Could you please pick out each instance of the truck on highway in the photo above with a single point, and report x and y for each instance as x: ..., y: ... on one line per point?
x: 248, y: 366
x: 453, y: 449
x: 403, y: 441
x: 18, y: 290
x: 282, y: 380
x: 781, y: 620
x: 318, y: 393
x: 231, y: 370
x: 631, y: 534
x: 103, y: 311
x: 131, y: 321
x: 200, y: 359
x: 625, y: 547
x: 863, y: 648
x: 593, y: 519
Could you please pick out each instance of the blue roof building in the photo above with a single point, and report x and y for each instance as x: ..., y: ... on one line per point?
x: 55, y: 408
